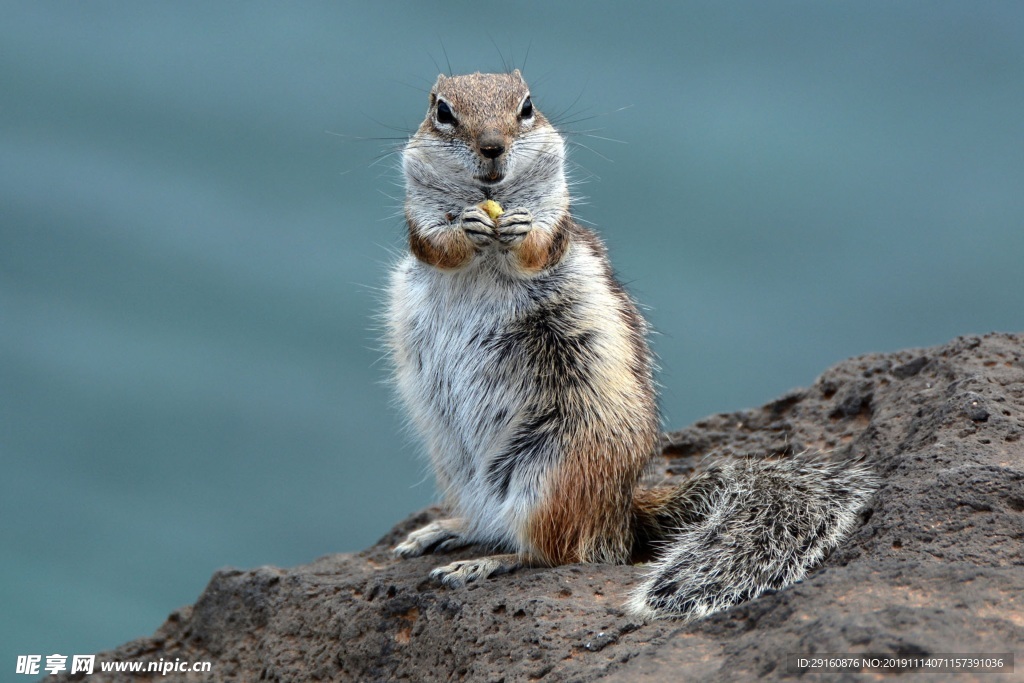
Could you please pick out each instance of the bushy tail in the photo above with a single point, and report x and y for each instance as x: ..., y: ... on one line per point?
x: 743, y: 527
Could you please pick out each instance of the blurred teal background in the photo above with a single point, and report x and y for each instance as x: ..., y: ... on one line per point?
x: 195, y: 229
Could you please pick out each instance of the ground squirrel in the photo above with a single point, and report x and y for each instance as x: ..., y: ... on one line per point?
x: 525, y: 368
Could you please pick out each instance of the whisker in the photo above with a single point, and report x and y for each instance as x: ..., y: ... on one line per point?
x: 591, y: 149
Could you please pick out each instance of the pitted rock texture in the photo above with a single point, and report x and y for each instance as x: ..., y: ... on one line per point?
x: 936, y: 567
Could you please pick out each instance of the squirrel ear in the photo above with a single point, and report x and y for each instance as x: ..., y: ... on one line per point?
x: 433, y: 90
x: 515, y: 72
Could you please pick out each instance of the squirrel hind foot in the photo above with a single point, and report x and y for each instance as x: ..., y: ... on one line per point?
x: 458, y: 574
x: 767, y: 524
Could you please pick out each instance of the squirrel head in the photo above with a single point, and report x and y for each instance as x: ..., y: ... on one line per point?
x: 481, y: 118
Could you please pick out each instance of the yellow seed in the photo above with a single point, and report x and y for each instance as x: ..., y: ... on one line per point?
x: 492, y: 208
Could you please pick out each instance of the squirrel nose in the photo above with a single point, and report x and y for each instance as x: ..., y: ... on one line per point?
x: 491, y: 144
x: 492, y: 150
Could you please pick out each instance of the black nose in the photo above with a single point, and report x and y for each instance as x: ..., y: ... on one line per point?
x: 492, y: 150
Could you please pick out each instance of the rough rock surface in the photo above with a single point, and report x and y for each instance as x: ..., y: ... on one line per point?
x: 937, y: 567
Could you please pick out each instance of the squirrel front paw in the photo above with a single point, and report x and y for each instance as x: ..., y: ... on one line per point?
x: 478, y: 225
x: 439, y: 536
x: 514, y: 225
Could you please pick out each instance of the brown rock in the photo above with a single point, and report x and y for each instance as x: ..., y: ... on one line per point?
x: 937, y: 567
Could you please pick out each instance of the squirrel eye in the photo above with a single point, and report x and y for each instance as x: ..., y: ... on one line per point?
x: 526, y: 111
x: 444, y: 113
